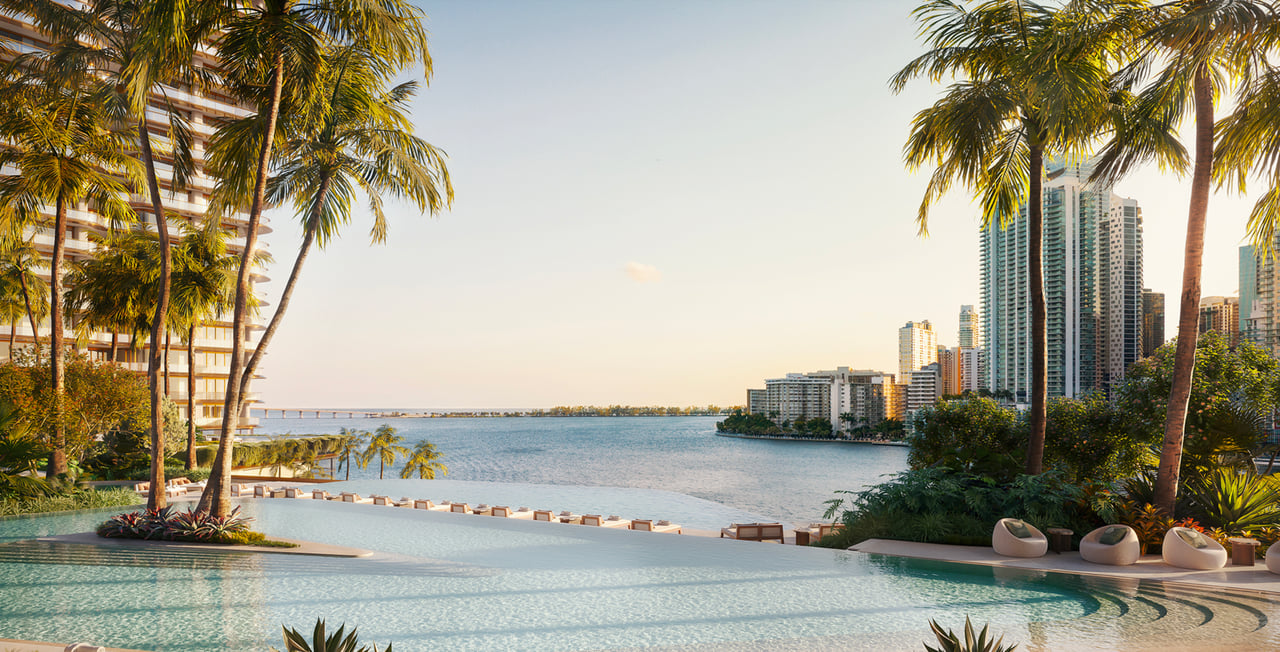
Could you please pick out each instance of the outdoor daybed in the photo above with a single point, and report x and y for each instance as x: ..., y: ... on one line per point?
x: 1114, y: 545
x: 1187, y: 548
x: 753, y: 532
x: 1016, y: 538
x: 656, y: 526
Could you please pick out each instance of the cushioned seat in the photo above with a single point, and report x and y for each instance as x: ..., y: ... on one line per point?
x: 1273, y: 558
x: 1114, y: 545
x: 1015, y: 538
x: 1187, y: 548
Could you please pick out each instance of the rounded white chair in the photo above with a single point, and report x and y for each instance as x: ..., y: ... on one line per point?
x: 1187, y: 548
x: 1113, y: 545
x: 1273, y: 558
x: 1016, y: 538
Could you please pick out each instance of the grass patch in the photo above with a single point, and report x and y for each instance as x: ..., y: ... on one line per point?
x: 77, y: 499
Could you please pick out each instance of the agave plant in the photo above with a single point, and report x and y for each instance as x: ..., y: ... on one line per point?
x: 295, y: 642
x: 1234, y: 500
x: 949, y: 642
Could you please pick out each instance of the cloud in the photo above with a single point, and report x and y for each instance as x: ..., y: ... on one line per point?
x: 641, y: 273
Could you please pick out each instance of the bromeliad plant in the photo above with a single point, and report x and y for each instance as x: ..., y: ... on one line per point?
x: 167, y: 525
x: 336, y: 642
x: 948, y: 641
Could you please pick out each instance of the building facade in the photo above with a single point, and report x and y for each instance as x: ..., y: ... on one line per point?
x: 1152, y: 322
x: 949, y: 370
x: 1092, y: 259
x: 970, y: 369
x: 924, y: 388
x: 1221, y: 314
x: 212, y: 343
x: 970, y: 327
x: 917, y: 346
x: 866, y: 397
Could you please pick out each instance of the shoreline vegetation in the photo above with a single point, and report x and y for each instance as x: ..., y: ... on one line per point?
x: 827, y: 440
x: 561, y: 411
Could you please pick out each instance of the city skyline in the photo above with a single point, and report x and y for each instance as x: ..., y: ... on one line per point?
x: 659, y: 206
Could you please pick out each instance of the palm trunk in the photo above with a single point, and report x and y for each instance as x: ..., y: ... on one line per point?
x: 216, y: 499
x: 13, y: 334
x: 167, y: 343
x: 1184, y: 356
x: 31, y: 315
x: 156, y: 498
x: 58, y: 459
x: 1039, y: 352
x: 191, y: 396
x: 115, y: 344
x: 308, y: 237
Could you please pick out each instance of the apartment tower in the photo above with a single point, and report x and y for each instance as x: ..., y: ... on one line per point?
x: 1153, y: 321
x: 917, y: 347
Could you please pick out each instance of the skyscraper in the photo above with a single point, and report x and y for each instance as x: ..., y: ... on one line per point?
x: 917, y: 347
x: 1092, y: 257
x: 1153, y: 320
x: 970, y: 327
x: 1221, y: 314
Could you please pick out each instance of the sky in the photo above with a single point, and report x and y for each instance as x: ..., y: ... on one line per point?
x: 658, y: 203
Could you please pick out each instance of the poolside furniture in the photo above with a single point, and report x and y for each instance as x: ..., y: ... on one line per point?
x: 1273, y: 558
x: 423, y: 504
x: 177, y: 481
x: 261, y: 491
x: 1113, y: 545
x: 84, y: 647
x: 567, y: 516
x: 295, y: 492
x: 753, y: 532
x: 1187, y: 548
x: 320, y: 494
x: 404, y: 501
x: 348, y: 497
x: 381, y: 500
x: 240, y: 490
x: 815, y: 532
x: 1244, y: 551
x: 482, y: 509
x: 600, y: 521
x: 507, y: 512
x: 142, y: 487
x: 656, y: 526
x: 1016, y: 538
x: 543, y: 515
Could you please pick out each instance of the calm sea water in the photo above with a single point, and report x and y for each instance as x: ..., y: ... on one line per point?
x: 785, y: 480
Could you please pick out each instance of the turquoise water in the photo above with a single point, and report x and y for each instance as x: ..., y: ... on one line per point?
x: 781, y: 480
x: 457, y: 582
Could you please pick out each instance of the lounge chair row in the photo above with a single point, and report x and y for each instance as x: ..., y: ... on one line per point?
x: 1118, y: 545
x: 174, y: 487
x: 502, y: 511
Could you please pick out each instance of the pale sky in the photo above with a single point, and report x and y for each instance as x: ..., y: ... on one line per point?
x: 658, y: 203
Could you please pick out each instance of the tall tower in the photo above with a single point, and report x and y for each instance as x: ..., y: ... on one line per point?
x: 917, y: 347
x: 970, y: 327
x: 1153, y: 318
x: 1092, y: 244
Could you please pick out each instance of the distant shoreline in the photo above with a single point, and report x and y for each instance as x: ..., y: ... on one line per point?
x: 876, y: 442
x: 313, y: 413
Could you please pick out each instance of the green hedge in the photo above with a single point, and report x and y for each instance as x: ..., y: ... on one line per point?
x: 272, y: 452
x: 77, y: 499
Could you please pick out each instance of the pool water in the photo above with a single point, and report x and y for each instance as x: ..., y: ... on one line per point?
x: 441, y: 581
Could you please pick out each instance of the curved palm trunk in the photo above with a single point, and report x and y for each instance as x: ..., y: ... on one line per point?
x: 1039, y: 351
x: 31, y: 315
x: 1184, y: 356
x: 216, y: 499
x: 191, y: 396
x: 58, y: 459
x: 156, y: 498
x: 308, y: 237
x: 168, y: 342
x: 115, y: 344
x: 13, y: 334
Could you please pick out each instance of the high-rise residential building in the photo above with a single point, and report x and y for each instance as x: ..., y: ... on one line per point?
x: 757, y: 401
x: 1221, y: 314
x: 970, y: 369
x: 917, y: 346
x: 923, y: 387
x: 1092, y: 253
x: 949, y: 372
x: 1153, y: 320
x: 1259, y: 313
x: 867, y: 397
x: 970, y: 327
x: 796, y: 396
x: 212, y: 344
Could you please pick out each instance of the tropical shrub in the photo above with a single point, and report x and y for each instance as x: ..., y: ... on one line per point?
x: 748, y: 424
x: 1233, y: 501
x: 972, y: 435
x: 938, y: 505
x: 295, y: 642
x: 169, y: 525
x: 69, y: 500
x: 949, y: 642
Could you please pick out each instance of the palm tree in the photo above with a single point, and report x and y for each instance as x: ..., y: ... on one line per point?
x: 109, y: 290
x: 1033, y: 81
x: 385, y: 446
x: 66, y: 152
x: 353, y: 442
x: 1198, y: 49
x: 358, y: 137
x: 269, y: 47
x: 18, y: 264
x: 423, y: 461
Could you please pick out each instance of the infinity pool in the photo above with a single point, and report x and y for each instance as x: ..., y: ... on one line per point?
x: 441, y: 581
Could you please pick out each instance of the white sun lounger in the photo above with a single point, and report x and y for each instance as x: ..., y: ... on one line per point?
x: 644, y: 525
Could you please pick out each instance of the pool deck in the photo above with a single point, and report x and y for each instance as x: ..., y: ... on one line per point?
x: 1150, y: 567
x: 8, y: 644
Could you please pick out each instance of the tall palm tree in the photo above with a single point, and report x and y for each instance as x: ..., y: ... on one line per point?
x: 1198, y: 49
x: 353, y: 443
x: 424, y: 461
x: 66, y: 151
x: 268, y: 48
x: 358, y: 137
x: 18, y: 264
x: 1032, y: 81
x: 385, y: 446
x: 109, y: 291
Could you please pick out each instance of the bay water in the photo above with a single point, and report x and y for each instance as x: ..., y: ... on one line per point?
x: 785, y: 480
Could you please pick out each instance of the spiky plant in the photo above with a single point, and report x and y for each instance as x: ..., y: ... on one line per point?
x: 295, y: 642
x: 949, y: 642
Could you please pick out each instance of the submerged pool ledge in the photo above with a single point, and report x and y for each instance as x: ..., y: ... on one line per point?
x: 1151, y: 567
x: 309, y: 548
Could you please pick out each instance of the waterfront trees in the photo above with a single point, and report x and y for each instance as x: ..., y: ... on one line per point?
x: 1198, y: 50
x: 1032, y: 81
x: 273, y: 50
x: 384, y: 446
x: 424, y: 461
x: 353, y: 442
x: 25, y: 292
